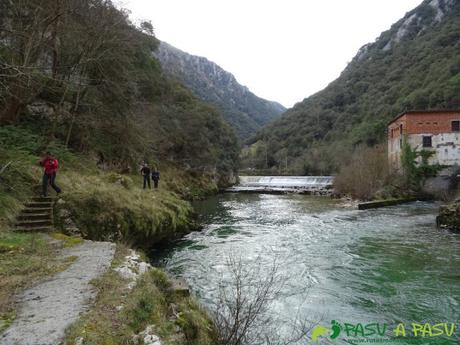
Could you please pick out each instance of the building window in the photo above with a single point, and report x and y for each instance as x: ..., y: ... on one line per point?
x: 455, y: 126
x: 427, y: 141
x: 400, y: 130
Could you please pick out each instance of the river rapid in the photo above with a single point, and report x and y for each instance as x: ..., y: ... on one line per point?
x: 389, y: 265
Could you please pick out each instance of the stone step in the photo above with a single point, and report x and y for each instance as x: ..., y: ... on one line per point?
x: 36, y: 204
x: 33, y: 223
x: 35, y: 210
x: 35, y: 216
x: 35, y: 229
x: 43, y: 199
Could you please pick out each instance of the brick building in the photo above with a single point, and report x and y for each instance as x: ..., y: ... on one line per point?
x: 437, y: 131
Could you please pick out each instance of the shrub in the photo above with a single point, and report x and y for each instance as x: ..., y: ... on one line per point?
x: 365, y: 174
x: 414, y: 173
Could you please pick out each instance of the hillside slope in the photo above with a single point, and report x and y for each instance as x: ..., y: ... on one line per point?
x: 243, y: 110
x: 78, y: 79
x: 414, y: 65
x: 91, y: 84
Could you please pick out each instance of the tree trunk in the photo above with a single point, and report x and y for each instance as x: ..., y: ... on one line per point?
x: 10, y: 113
x: 74, y: 111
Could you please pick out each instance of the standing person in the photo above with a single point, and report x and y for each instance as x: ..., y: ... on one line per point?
x: 145, y: 171
x: 155, y: 177
x: 51, y: 166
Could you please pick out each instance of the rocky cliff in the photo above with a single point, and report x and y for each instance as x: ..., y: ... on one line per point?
x: 243, y: 110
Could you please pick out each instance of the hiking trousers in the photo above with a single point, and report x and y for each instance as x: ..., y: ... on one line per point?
x: 147, y: 181
x: 49, y: 179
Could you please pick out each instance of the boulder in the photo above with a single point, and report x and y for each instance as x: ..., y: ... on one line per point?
x: 449, y: 216
x: 147, y: 336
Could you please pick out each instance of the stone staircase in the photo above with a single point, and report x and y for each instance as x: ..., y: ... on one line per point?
x: 36, y: 216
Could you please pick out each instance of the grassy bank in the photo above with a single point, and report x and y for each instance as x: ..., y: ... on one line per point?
x: 104, y: 204
x: 119, y: 313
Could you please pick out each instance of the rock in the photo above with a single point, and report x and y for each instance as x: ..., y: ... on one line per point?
x: 449, y: 217
x: 147, y: 336
x: 79, y: 341
x: 40, y: 109
x: 132, y: 268
x: 144, y: 267
x: 45, y: 110
x: 151, y: 339
x: 443, y: 185
x: 126, y: 272
x: 180, y: 287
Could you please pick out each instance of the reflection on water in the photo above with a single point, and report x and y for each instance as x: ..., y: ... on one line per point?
x: 387, y: 265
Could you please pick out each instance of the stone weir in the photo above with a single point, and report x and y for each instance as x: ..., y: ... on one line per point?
x: 316, y: 185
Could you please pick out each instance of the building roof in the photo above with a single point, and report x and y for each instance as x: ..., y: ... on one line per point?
x: 424, y: 112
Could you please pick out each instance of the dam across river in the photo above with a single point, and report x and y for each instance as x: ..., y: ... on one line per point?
x: 283, y: 184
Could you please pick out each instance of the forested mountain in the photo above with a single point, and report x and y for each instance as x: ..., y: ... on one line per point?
x: 243, y: 110
x: 414, y: 65
x: 82, y: 75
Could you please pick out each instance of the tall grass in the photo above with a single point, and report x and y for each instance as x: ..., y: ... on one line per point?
x: 108, y: 209
x: 105, y: 205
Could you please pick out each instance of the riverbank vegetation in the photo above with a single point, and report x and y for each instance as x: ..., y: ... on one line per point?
x: 119, y: 313
x: 367, y: 175
x: 104, y: 204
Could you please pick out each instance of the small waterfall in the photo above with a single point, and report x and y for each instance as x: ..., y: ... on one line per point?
x: 283, y: 184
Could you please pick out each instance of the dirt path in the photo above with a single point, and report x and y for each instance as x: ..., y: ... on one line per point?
x: 46, y: 310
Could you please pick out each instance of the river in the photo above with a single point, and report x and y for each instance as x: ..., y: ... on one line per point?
x: 389, y: 265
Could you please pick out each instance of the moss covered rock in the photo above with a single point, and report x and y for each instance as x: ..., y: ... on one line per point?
x: 449, y: 216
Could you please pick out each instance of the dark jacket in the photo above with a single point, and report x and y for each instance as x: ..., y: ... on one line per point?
x: 155, y: 175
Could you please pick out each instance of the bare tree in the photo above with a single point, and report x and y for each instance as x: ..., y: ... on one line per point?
x: 25, y: 40
x: 65, y: 48
x: 243, y: 313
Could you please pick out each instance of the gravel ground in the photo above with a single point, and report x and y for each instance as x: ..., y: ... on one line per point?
x: 46, y: 310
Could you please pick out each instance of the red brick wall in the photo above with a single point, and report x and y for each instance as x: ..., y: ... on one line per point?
x: 394, y: 127
x: 417, y: 123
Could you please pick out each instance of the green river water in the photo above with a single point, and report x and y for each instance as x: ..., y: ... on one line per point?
x: 387, y: 266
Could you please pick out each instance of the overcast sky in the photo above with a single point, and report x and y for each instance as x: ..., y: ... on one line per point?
x: 283, y: 50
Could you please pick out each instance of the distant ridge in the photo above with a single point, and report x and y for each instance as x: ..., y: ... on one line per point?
x: 243, y: 110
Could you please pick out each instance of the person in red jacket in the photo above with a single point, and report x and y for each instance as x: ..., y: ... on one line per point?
x: 50, y: 165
